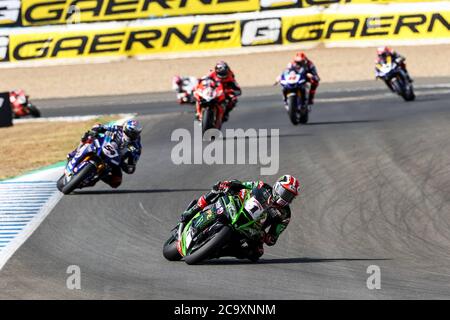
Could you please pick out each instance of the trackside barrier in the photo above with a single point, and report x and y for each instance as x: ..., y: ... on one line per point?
x: 49, y: 12
x: 5, y: 110
x: 350, y: 25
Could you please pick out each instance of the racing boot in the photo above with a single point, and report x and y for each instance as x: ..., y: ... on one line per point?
x: 251, y: 251
x: 226, y: 115
x: 311, y: 97
x: 285, y: 103
x: 198, y: 111
x: 114, y: 179
x: 312, y: 91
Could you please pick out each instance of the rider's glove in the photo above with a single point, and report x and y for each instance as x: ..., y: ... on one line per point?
x: 221, y: 186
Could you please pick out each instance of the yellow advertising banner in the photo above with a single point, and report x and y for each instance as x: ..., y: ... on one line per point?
x: 332, y: 27
x: 327, y: 26
x: 124, y: 41
x: 278, y: 4
x: 45, y: 12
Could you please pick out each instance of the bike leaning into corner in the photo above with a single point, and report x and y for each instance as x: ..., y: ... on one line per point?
x: 93, y: 160
x: 231, y: 220
x: 390, y: 67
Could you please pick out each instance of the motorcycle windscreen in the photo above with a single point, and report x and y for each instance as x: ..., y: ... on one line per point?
x: 258, y: 203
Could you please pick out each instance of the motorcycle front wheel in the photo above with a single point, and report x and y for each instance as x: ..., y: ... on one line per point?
x: 207, y: 119
x: 170, y: 251
x: 293, y: 109
x: 304, y: 116
x: 214, y: 244
x: 75, y: 182
x: 34, y: 111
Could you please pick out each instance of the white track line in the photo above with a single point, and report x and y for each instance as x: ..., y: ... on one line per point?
x: 24, y: 203
x: 72, y: 118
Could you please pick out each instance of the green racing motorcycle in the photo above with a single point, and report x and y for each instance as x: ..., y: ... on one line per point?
x: 228, y: 221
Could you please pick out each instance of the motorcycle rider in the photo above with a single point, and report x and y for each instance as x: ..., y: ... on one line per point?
x: 184, y: 87
x: 283, y: 192
x: 223, y: 74
x: 382, y: 54
x: 127, y: 137
x: 301, y: 60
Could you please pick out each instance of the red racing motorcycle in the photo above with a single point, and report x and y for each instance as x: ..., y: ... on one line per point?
x: 211, y: 103
x: 21, y: 105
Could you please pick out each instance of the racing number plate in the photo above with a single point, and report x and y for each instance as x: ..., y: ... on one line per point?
x: 110, y: 150
x: 254, y: 208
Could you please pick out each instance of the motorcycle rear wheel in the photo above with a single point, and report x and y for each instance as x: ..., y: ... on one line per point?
x: 214, y: 244
x: 78, y: 178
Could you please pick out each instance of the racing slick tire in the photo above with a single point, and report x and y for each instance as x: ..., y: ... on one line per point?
x: 78, y: 178
x: 170, y: 251
x: 293, y: 109
x: 214, y: 244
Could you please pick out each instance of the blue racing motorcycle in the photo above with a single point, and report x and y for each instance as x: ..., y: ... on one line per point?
x: 92, y: 161
x: 295, y: 85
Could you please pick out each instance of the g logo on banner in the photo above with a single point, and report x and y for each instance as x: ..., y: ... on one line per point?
x: 261, y: 32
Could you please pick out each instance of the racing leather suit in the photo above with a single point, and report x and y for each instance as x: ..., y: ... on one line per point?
x: 276, y: 222
x: 314, y: 79
x: 130, y: 152
x: 231, y: 88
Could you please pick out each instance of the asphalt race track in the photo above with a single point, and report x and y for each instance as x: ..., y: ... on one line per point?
x: 376, y: 191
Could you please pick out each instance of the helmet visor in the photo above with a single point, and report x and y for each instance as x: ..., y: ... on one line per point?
x: 283, y: 196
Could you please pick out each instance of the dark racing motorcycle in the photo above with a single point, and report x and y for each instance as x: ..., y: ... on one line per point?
x: 396, y: 78
x: 295, y: 83
x: 211, y: 97
x: 219, y: 228
x: 91, y: 162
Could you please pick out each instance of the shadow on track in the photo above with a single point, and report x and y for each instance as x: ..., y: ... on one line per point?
x: 341, y: 122
x: 126, y: 191
x: 226, y: 261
